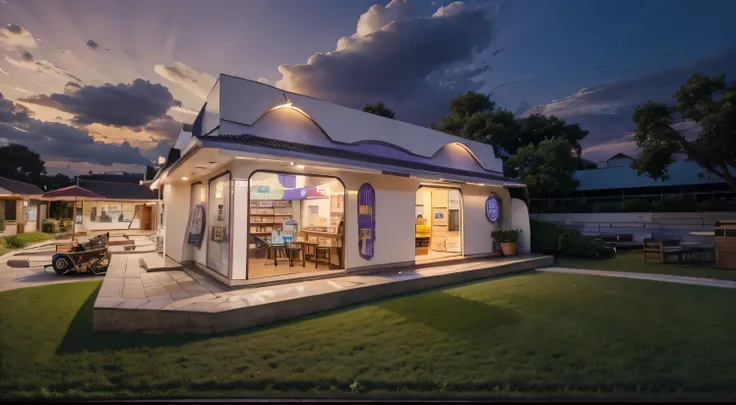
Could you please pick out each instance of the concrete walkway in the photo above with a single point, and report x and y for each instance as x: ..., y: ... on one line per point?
x: 708, y: 282
x: 183, y: 300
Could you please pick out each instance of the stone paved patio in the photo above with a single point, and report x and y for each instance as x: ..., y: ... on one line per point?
x: 184, y: 300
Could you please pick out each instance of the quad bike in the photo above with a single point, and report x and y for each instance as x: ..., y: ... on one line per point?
x: 89, y: 257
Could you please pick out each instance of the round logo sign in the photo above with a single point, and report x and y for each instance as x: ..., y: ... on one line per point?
x: 492, y: 209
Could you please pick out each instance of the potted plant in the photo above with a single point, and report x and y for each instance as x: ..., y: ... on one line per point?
x: 507, y: 238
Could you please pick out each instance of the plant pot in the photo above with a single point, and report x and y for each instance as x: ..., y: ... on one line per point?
x: 508, y: 248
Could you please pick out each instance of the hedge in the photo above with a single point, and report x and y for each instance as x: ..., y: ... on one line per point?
x: 550, y: 239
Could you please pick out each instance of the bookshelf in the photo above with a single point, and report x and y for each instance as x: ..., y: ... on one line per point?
x: 268, y: 215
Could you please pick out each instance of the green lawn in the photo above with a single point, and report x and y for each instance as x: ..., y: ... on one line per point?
x: 10, y: 243
x: 633, y: 261
x: 536, y: 335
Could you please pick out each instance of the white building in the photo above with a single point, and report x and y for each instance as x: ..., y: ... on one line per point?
x: 268, y: 174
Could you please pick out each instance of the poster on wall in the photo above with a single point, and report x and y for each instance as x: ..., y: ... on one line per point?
x: 197, y: 226
x: 366, y: 220
x: 453, y: 200
x: 439, y: 217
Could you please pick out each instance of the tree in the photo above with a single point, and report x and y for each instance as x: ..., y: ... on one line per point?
x: 472, y: 116
x: 545, y: 168
x: 381, y: 109
x: 54, y: 182
x: 20, y: 163
x: 707, y: 101
x: 150, y: 172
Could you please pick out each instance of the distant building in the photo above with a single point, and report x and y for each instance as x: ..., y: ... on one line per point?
x: 20, y: 207
x: 615, y: 181
x: 126, y: 205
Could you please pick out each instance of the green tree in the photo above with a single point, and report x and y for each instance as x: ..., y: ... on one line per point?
x: 20, y: 163
x: 704, y: 100
x: 380, y: 108
x: 473, y: 116
x: 546, y: 168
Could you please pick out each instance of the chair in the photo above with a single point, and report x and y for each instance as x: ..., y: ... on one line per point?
x: 259, y: 247
x: 653, y: 251
x: 322, y: 252
x: 292, y: 250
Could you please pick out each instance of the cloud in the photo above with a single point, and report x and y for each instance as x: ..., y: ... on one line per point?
x: 198, y: 83
x: 15, y: 36
x: 417, y: 64
x: 28, y: 62
x: 62, y: 142
x: 166, y: 127
x: 606, y: 111
x: 184, y: 110
x: 132, y: 105
x: 11, y: 112
x: 263, y: 80
x: 92, y: 44
x: 4, y: 72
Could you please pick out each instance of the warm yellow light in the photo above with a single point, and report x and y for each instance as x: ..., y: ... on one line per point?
x: 185, y: 178
x: 300, y: 166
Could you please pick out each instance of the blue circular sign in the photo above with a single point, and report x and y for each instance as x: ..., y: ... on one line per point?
x: 492, y: 209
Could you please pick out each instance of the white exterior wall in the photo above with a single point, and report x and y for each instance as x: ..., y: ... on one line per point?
x: 239, y: 228
x: 176, y: 212
x: 520, y: 220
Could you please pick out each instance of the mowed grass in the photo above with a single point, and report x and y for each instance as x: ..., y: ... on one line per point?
x: 633, y: 261
x: 536, y: 335
x: 13, y: 242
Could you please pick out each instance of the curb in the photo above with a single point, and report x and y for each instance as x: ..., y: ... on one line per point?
x: 33, y: 246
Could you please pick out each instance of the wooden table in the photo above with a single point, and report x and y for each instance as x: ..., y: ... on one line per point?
x: 330, y: 235
x: 305, y: 244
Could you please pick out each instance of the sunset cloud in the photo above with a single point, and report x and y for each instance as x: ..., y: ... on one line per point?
x: 28, y: 62
x: 13, y: 113
x: 417, y: 64
x: 15, y: 36
x: 198, y: 83
x: 132, y: 105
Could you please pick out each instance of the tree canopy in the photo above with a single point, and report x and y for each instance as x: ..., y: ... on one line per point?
x: 711, y: 104
x: 545, y: 168
x: 20, y: 163
x: 473, y: 116
x: 380, y: 108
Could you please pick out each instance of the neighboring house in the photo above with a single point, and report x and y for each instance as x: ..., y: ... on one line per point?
x: 615, y: 181
x: 20, y: 206
x: 126, y: 206
x: 268, y: 175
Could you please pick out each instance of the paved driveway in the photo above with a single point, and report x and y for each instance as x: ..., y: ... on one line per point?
x: 26, y: 270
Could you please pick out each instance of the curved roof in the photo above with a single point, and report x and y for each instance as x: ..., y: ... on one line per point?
x: 245, y: 102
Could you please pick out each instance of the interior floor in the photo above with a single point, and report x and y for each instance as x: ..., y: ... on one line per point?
x: 435, y: 255
x: 258, y: 268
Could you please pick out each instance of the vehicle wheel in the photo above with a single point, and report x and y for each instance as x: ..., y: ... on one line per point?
x: 62, y: 264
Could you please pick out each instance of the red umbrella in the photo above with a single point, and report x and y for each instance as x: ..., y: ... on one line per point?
x: 71, y: 193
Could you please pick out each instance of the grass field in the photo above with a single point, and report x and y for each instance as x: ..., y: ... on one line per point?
x: 633, y: 261
x: 537, y: 335
x: 10, y: 243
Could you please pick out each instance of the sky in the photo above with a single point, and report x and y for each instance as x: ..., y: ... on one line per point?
x: 106, y: 85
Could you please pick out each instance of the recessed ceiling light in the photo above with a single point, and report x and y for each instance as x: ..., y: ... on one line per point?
x: 291, y: 163
x: 300, y: 166
x: 185, y: 178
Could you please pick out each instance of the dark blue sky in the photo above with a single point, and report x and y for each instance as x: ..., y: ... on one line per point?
x: 415, y: 55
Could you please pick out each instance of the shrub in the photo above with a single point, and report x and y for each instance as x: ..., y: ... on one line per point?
x: 47, y: 226
x: 716, y: 205
x: 636, y: 205
x: 550, y: 239
x: 504, y: 235
x: 673, y: 204
x: 13, y: 242
x: 2, y: 224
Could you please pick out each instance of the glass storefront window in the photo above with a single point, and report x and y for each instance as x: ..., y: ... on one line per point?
x: 218, y: 223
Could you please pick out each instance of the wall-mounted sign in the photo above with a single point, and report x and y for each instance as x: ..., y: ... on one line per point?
x: 366, y: 220
x: 219, y: 234
x: 453, y: 199
x: 196, y: 226
x: 493, y: 209
x: 263, y: 189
